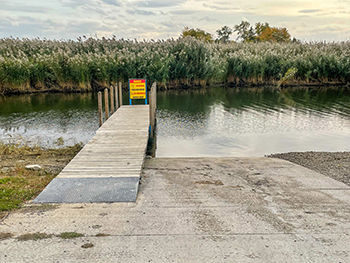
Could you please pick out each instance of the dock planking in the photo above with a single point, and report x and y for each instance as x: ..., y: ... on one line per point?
x: 109, y: 166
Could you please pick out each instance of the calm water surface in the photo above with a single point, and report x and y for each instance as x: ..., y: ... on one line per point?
x: 254, y: 122
x: 41, y: 119
x: 212, y: 122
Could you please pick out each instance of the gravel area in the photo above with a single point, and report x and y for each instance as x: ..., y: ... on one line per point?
x: 333, y: 164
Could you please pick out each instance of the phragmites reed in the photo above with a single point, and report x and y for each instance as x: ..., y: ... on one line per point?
x: 34, y: 64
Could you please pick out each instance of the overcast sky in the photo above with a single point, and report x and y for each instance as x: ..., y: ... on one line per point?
x: 309, y: 20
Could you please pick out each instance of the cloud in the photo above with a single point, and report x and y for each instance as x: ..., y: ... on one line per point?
x: 23, y: 8
x: 220, y: 8
x: 307, y: 11
x: 26, y: 26
x: 95, y: 10
x: 85, y: 27
x: 75, y: 3
x: 207, y: 18
x: 158, y: 3
x: 22, y: 27
x: 183, y: 12
x: 113, y: 2
x: 168, y: 24
x: 140, y: 12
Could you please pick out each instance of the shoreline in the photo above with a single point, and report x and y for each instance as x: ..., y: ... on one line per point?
x: 187, y: 86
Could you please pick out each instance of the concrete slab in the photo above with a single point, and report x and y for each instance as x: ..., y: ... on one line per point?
x: 198, y: 210
x: 85, y: 190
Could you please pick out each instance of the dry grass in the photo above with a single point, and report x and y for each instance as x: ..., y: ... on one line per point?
x: 102, y: 235
x: 4, y: 236
x: 16, y: 150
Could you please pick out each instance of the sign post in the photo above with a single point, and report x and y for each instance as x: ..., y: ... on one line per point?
x: 138, y: 90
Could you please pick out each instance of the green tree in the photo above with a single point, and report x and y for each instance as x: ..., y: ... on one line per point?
x: 260, y: 27
x: 224, y: 34
x: 245, y: 32
x: 197, y: 33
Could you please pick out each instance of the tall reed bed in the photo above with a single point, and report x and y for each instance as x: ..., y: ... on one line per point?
x: 86, y: 64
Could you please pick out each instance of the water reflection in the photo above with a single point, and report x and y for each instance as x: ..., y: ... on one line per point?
x: 252, y: 122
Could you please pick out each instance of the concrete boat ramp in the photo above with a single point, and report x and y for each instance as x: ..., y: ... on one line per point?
x: 197, y: 210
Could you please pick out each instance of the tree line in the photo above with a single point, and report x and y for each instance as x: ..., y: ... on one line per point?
x: 261, y: 32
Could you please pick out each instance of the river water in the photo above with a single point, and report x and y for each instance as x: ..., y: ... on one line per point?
x: 197, y: 123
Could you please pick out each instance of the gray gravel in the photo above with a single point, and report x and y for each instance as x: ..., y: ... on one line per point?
x: 333, y: 164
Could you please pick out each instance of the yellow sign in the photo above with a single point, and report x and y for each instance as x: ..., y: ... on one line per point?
x: 137, y: 89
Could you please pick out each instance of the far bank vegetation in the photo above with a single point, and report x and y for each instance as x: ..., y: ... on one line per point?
x: 263, y: 55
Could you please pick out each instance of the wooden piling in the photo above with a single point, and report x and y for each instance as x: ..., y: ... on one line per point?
x: 120, y: 94
x: 100, y: 116
x: 111, y: 92
x: 116, y: 97
x: 106, y: 104
x: 153, y: 108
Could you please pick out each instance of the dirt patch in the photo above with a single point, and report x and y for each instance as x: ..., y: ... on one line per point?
x: 213, y: 182
x: 88, y: 245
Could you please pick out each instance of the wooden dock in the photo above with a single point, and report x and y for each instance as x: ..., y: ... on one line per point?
x: 109, y: 166
x: 117, y: 149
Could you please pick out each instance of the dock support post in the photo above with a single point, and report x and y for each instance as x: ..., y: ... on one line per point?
x: 116, y: 97
x: 120, y: 94
x: 106, y: 104
x: 152, y: 108
x: 100, y: 116
x: 111, y: 90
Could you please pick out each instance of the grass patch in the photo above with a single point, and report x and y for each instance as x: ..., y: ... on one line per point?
x: 20, y: 185
x: 4, y: 236
x: 17, y: 184
x: 34, y: 237
x: 69, y: 235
